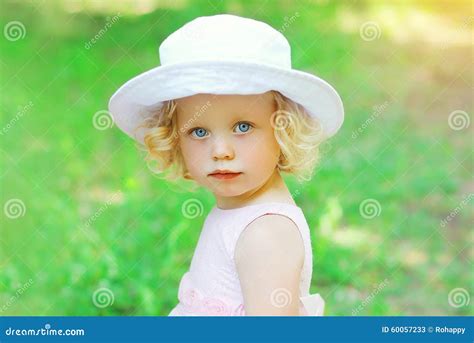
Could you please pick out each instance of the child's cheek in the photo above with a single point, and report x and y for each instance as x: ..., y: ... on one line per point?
x: 193, y: 154
x: 259, y: 150
x: 246, y: 149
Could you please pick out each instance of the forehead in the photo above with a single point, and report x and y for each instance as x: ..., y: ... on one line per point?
x: 233, y: 104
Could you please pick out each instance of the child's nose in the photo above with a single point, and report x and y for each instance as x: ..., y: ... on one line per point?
x: 222, y: 149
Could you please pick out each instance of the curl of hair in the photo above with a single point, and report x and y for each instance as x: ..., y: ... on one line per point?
x: 161, y: 144
x: 298, y: 134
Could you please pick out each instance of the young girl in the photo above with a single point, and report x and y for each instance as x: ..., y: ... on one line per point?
x: 227, y: 111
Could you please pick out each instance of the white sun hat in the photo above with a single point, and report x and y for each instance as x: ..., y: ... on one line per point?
x: 224, y: 54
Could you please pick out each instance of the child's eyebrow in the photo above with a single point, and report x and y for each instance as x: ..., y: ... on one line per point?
x: 231, y: 121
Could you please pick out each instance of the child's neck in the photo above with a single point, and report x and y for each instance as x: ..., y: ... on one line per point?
x: 273, y: 190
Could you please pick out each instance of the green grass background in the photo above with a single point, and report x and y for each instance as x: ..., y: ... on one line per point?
x: 64, y: 170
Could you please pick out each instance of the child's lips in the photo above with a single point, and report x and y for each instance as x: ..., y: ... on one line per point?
x: 225, y: 176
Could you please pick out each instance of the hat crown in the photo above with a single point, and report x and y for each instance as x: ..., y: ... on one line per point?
x: 226, y: 37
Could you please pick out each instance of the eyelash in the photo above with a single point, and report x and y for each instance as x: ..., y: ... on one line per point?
x: 190, y: 132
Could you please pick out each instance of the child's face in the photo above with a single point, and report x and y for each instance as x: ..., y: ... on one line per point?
x: 231, y: 132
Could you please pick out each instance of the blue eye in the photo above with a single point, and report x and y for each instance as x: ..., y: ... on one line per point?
x: 244, y: 127
x: 200, y: 132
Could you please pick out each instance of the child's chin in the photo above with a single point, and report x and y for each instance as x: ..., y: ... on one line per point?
x: 228, y: 191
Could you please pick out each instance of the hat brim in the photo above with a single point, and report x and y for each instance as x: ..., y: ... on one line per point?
x: 174, y: 81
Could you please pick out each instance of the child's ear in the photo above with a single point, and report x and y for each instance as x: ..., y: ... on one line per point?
x: 187, y: 176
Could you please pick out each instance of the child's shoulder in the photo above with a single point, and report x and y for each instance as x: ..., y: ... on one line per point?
x: 264, y: 226
x: 271, y: 235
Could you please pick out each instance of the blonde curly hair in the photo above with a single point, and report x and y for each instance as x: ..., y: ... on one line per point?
x: 298, y: 134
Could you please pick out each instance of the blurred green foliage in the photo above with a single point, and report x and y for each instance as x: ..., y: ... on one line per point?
x: 94, y: 215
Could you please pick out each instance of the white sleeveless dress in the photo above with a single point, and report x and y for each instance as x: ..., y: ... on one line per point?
x: 211, y: 287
